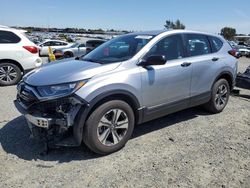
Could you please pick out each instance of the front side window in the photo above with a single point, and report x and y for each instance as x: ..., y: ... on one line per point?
x: 118, y: 49
x: 197, y: 45
x: 171, y: 47
x: 55, y: 43
x: 7, y: 37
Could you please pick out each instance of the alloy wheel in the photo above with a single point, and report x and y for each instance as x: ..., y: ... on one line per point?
x: 112, y: 127
x: 221, y: 96
x: 7, y: 74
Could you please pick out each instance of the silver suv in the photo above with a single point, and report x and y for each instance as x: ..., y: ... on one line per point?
x: 131, y: 79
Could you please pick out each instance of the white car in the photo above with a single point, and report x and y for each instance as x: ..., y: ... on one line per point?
x: 54, y: 44
x: 245, y: 51
x: 18, y: 55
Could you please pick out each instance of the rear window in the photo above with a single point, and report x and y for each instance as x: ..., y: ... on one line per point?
x: 7, y: 37
x: 197, y: 45
x: 216, y: 44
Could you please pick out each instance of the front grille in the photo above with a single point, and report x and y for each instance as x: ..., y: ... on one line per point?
x: 50, y: 107
x: 27, y: 97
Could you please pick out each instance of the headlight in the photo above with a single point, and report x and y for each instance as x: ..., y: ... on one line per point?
x: 61, y: 89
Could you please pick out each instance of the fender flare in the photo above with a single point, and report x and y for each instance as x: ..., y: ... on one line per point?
x: 225, y: 73
x: 89, y: 106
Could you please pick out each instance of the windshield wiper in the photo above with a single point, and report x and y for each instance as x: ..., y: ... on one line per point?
x: 91, y: 60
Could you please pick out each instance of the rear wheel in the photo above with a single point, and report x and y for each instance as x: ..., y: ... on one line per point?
x: 109, y: 127
x: 9, y: 74
x: 220, y: 96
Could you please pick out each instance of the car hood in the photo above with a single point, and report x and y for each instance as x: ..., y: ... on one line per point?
x: 66, y: 71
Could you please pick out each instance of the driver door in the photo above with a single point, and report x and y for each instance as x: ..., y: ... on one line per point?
x: 166, y: 88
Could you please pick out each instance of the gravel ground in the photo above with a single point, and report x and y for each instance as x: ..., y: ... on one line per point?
x: 187, y: 149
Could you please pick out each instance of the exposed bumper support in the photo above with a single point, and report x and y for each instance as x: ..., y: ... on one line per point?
x: 56, y: 126
x: 40, y: 121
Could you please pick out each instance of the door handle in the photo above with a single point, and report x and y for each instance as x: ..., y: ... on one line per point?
x: 215, y: 59
x: 186, y: 64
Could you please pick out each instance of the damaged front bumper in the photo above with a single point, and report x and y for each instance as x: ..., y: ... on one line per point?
x: 53, y: 121
x: 40, y: 121
x: 243, y: 80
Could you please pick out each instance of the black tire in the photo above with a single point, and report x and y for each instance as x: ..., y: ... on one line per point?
x: 68, y: 55
x: 10, y: 79
x: 216, y: 99
x: 90, y: 132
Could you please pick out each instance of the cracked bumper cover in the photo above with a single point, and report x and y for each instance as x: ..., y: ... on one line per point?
x: 40, y: 121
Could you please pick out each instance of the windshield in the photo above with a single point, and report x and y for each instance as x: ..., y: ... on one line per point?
x: 119, y: 49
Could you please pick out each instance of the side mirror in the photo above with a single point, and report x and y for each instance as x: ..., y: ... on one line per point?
x: 153, y: 60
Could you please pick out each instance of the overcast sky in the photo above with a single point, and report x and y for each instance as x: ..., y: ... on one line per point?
x: 203, y: 15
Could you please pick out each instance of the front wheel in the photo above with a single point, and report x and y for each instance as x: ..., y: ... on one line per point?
x: 109, y: 127
x: 220, y: 96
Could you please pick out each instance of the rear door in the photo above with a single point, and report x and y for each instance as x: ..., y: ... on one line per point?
x: 202, y: 54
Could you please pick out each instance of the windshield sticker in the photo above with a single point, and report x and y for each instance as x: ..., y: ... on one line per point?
x: 143, y: 37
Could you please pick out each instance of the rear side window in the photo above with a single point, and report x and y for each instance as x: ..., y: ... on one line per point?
x: 7, y: 37
x: 56, y: 43
x: 216, y: 44
x: 46, y: 44
x: 197, y: 45
x: 63, y: 44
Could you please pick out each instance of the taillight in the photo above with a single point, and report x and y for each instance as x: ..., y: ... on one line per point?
x: 31, y: 49
x: 234, y: 53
